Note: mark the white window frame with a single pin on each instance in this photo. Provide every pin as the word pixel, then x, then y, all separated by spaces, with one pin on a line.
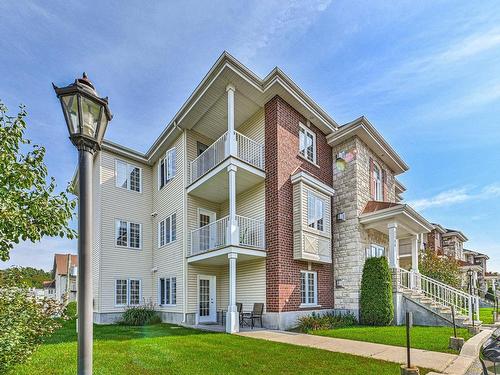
pixel 378 184
pixel 312 196
pixel 170 231
pixel 303 153
pixel 173 291
pixel 169 167
pixel 129 167
pixel 306 275
pixel 375 251
pixel 127 292
pixel 117 221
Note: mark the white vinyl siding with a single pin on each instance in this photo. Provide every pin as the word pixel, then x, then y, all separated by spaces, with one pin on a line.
pixel 167 230
pixel 167 291
pixel 307 143
pixel 128 176
pixel 308 288
pixel 167 167
pixel 128 234
pixel 128 292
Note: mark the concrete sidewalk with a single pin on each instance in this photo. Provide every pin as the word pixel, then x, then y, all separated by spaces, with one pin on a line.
pixel 421 358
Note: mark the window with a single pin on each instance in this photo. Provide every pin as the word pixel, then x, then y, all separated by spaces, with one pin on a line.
pixel 377 182
pixel 375 251
pixel 127 292
pixel 167 168
pixel 168 291
pixel 315 212
pixel 167 230
pixel 307 143
pixel 128 234
pixel 128 176
pixel 308 288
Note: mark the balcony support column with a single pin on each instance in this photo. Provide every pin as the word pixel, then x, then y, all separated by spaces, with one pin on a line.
pixel 233 231
pixel 415 244
pixel 231 135
pixel 393 245
pixel 233 319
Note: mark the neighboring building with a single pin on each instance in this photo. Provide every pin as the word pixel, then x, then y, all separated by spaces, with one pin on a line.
pixel 49 289
pixel 64 286
pixel 453 243
pixel 477 262
pixel 251 194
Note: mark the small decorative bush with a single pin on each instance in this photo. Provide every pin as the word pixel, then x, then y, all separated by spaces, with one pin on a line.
pixel 376 305
pixel 25 321
pixel 140 316
pixel 71 310
pixel 329 320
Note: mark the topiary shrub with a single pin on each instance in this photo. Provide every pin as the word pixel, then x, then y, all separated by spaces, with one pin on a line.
pixel 376 305
pixel 140 316
pixel 329 320
pixel 71 310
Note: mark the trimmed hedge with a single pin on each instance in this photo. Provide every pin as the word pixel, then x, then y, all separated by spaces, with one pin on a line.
pixel 330 320
pixel 376 305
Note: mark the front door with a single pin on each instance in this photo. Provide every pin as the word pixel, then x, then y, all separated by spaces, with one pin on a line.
pixel 208 233
pixel 206 299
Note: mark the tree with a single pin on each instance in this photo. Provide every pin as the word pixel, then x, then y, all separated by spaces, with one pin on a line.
pixel 29 206
pixel 376 304
pixel 441 268
pixel 26 276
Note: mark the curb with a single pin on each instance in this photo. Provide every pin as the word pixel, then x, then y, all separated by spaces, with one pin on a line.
pixel 468 355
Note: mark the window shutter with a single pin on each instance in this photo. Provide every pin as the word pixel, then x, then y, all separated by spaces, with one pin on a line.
pixel 372 181
pixel 384 185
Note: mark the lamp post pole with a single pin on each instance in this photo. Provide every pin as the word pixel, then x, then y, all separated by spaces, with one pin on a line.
pixel 87 116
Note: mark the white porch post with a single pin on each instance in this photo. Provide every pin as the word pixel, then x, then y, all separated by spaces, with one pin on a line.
pixel 232 320
pixel 233 232
pixel 393 245
pixel 414 261
pixel 231 136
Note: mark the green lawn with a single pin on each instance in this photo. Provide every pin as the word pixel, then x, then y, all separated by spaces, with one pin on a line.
pixel 429 338
pixel 486 315
pixel 168 349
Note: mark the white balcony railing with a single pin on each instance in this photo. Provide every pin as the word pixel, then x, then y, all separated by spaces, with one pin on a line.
pixel 464 303
pixel 215 235
pixel 247 150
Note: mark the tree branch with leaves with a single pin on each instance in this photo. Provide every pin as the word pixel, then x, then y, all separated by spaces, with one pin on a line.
pixel 30 208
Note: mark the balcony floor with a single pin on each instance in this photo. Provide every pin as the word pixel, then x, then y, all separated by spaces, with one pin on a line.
pixel 214 185
pixel 219 256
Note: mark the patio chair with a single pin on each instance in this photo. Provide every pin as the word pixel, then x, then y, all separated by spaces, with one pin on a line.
pixel 256 314
pixel 239 309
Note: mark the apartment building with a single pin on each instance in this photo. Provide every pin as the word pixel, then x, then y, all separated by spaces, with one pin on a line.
pixel 251 194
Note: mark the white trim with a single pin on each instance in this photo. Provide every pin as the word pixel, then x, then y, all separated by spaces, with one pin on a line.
pixel 378 194
pixel 128 165
pixel 213 288
pixel 225 251
pixel 128 235
pixel 314 196
pixel 171 291
pixel 315 291
pixel 164 220
pixel 167 162
pixel 313 182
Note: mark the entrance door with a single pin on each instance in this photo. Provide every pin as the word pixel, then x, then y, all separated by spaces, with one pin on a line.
pixel 206 299
pixel 208 235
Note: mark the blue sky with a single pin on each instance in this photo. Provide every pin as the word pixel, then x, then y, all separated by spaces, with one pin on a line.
pixel 426 73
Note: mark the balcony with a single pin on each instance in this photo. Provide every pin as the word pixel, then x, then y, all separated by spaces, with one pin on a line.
pixel 215 236
pixel 247 150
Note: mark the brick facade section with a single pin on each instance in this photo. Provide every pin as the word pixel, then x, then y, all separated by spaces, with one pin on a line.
pixel 282 161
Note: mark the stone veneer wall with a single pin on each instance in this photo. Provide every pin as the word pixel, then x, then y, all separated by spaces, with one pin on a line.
pixel 282 161
pixel 350 239
pixel 453 246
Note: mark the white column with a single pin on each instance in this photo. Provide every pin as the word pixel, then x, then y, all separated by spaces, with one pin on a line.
pixel 231 137
pixel 393 245
pixel 233 235
pixel 422 241
pixel 232 320
pixel 415 245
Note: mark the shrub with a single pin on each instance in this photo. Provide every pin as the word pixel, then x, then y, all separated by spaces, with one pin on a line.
pixel 71 310
pixel 326 321
pixel 140 316
pixel 376 305
pixel 25 322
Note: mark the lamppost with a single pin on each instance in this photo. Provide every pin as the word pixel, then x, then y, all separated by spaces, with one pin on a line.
pixel 470 273
pixel 87 116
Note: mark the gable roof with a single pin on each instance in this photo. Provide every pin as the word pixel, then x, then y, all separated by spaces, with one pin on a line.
pixel 363 129
pixel 456 233
pixel 61 263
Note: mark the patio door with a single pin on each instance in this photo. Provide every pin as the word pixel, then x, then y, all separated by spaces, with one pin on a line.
pixel 208 233
pixel 207 309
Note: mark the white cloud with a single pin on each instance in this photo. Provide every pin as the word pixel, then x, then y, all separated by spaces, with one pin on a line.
pixel 270 23
pixel 456 196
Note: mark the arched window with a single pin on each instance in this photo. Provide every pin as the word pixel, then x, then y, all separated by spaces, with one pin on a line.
pixel 377 182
